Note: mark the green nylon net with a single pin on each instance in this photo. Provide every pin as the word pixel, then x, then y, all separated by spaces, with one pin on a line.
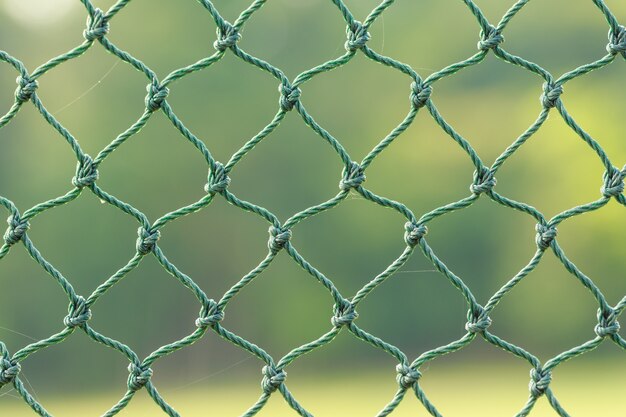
pixel 343 318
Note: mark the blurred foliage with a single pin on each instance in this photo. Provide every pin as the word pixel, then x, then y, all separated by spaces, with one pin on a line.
pixel 96 98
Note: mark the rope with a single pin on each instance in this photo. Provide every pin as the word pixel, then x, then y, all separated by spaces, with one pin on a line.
pixel 421 95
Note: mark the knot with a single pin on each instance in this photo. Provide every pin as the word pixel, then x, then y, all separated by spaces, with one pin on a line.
pixel 17 229
pixel 8 371
pixel 279 237
pixel 344 315
pixel 289 96
pixel 483 181
pixel 551 94
pixel 477 323
pixel 227 37
pixel 539 381
pixel 97 26
pixel 407 376
pixel 210 315
pixel 353 177
pixel 78 313
pixel 218 180
pixel 607 324
pixel 25 88
pixel 357 36
pixel 490 39
pixel 617 42
pixel 86 173
pixel 613 183
pixel 139 377
pixel 272 378
pixel 420 93
pixel 414 233
pixel 146 242
pixel 545 235
pixel 156 96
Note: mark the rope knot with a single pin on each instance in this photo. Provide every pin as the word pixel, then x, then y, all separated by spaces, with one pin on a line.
pixel 146 242
pixel 279 238
pixel 484 181
pixel 490 39
pixel 210 315
pixel 272 378
pixel 218 180
pixel 617 42
pixel 420 93
pixel 25 88
pixel 353 177
pixel 227 37
pixel 139 376
pixel 545 235
pixel 539 381
pixel 407 376
pixel 613 183
pixel 156 96
pixel 17 229
pixel 97 26
pixel 477 322
pixel 344 314
pixel 78 313
pixel 289 96
pixel 551 94
pixel 414 232
pixel 357 35
pixel 8 371
pixel 607 324
pixel 86 173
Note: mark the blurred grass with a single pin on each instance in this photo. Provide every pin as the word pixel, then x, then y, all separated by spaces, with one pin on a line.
pixel 480 390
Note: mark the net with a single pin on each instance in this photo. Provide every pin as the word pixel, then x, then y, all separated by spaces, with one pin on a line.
pixel 343 317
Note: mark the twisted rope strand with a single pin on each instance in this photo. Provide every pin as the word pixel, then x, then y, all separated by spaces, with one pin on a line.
pixel 343 317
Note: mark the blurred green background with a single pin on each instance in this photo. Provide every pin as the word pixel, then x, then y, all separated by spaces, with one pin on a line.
pixel 97 97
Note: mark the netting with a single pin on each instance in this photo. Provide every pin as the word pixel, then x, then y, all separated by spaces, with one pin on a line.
pixel 415 229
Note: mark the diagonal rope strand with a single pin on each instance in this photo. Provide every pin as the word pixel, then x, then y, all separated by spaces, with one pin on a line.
pixel 421 93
